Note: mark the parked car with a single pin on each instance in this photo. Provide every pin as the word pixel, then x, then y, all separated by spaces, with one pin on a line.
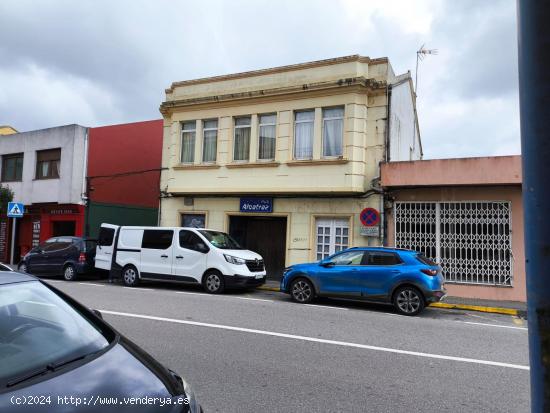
pixel 198 256
pixel 67 256
pixel 404 278
pixel 52 347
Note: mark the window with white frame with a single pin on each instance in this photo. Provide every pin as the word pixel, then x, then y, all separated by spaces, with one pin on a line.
pixel 241 145
pixel 188 132
pixel 333 131
pixel 471 240
pixel 332 236
pixel 210 140
pixel 266 142
pixel 303 134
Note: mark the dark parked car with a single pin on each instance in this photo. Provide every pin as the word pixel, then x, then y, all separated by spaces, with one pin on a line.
pixel 404 278
pixel 67 256
pixel 58 356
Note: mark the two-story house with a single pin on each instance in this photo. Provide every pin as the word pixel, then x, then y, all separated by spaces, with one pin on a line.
pixel 45 169
pixel 285 159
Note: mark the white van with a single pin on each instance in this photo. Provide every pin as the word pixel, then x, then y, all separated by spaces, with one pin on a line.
pixel 199 256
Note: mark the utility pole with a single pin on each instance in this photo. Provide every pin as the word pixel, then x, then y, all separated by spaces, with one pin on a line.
pixel 534 88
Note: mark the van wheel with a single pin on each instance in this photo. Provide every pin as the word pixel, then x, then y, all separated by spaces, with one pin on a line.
pixel 213 282
pixel 130 276
pixel 69 272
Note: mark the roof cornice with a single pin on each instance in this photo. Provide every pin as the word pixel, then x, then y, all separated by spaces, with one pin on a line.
pixel 358 83
pixel 280 69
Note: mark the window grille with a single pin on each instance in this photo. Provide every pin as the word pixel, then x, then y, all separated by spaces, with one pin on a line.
pixel 470 240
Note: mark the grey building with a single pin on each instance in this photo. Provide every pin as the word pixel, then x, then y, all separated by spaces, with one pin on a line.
pixel 46 169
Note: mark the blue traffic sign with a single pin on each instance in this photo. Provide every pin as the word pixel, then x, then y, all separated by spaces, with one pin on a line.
pixel 15 210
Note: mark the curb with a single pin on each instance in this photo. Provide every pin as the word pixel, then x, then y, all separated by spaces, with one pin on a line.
pixel 479 308
pixel 276 289
pixel 494 310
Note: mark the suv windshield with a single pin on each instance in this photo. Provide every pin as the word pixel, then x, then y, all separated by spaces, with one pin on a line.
pixel 39 329
pixel 221 240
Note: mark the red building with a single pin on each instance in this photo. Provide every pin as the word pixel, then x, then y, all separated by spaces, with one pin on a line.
pixel 123 174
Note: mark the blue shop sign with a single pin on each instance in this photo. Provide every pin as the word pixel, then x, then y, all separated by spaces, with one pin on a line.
pixel 256 205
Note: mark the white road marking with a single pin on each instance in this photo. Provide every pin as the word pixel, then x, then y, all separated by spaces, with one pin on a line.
pixel 94 284
pixel 140 289
pixel 325 306
pixel 494 325
pixel 320 340
pixel 222 296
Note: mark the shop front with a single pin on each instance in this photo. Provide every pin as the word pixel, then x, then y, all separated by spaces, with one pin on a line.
pixel 284 230
pixel 43 221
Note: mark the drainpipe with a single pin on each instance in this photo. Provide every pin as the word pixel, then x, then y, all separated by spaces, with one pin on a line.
pixel 86 186
pixel 388 121
pixel 534 88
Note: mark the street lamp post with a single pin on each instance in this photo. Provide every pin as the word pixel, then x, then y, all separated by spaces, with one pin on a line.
pixel 534 82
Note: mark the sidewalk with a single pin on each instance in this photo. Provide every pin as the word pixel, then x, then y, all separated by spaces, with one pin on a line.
pixel 514 308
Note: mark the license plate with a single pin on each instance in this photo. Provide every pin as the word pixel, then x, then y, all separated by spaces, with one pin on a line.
pixel 259 276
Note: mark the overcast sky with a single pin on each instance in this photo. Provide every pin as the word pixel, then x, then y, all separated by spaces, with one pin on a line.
pixel 102 62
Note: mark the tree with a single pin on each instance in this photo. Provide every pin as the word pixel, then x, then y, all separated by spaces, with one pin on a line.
pixel 6 195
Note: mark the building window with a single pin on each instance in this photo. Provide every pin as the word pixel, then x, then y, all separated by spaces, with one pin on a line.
pixel 210 141
pixel 12 167
pixel 188 132
pixel 333 131
pixel 193 220
pixel 266 142
pixel 471 241
pixel 332 236
pixel 47 163
pixel 241 149
pixel 303 134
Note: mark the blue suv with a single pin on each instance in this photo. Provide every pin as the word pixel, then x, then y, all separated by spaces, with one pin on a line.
pixel 404 278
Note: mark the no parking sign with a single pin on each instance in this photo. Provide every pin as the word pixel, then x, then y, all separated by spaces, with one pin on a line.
pixel 370 218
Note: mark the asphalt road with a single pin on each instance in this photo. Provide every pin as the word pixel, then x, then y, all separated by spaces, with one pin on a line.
pixel 257 351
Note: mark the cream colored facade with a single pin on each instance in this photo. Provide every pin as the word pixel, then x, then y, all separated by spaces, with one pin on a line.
pixel 303 191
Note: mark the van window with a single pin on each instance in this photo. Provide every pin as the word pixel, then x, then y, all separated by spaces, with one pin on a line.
pixel 106 236
pixel 189 240
pixel 157 239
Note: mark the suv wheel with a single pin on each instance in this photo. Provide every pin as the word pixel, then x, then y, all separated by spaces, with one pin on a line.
pixel 408 301
pixel 130 276
pixel 301 291
pixel 213 282
pixel 69 272
pixel 22 267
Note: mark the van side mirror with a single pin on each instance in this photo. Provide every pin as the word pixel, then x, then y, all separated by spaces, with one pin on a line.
pixel 201 247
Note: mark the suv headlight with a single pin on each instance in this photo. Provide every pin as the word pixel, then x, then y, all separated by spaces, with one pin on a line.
pixel 234 260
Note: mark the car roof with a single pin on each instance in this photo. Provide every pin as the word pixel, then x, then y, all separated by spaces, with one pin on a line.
pixel 11 277
pixel 388 249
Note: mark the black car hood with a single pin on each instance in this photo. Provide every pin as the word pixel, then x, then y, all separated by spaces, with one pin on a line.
pixel 115 376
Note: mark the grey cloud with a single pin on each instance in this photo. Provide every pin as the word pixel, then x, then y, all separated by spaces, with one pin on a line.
pixel 109 62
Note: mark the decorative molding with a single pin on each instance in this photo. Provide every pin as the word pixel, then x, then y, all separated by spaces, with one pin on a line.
pixel 353 84
pixel 252 165
pixel 199 166
pixel 309 162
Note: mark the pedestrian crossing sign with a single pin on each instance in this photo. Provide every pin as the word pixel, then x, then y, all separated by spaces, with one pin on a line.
pixel 15 209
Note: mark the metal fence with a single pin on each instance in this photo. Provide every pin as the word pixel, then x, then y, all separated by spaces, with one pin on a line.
pixel 470 240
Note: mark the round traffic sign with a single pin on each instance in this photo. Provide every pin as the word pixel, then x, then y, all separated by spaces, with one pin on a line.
pixel 369 217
